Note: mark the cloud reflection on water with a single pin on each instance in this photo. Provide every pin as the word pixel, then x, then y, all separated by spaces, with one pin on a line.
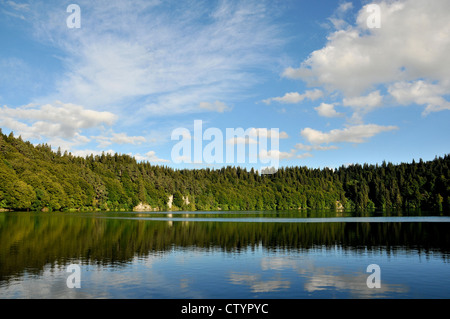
pixel 331 278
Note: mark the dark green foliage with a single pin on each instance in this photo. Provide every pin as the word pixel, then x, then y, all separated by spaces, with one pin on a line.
pixel 36 178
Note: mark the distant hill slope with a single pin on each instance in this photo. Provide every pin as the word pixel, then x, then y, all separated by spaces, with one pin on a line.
pixel 37 178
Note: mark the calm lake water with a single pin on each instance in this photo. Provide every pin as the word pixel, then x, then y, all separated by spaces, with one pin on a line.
pixel 217 255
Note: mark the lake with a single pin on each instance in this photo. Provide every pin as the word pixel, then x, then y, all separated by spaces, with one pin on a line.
pixel 214 255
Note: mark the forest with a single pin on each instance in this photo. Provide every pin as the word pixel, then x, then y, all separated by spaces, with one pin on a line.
pixel 37 178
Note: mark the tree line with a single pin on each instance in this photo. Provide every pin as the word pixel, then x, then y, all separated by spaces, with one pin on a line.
pixel 40 179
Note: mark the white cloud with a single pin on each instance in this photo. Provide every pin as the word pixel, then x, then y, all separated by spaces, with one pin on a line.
pixel 18 9
pixel 63 125
pixel 268 133
pixel 257 133
pixel 58 120
pixel 295 97
pixel 118 138
pixel 128 52
pixel 265 155
pixel 411 45
pixel 150 157
pixel 352 134
pixel 420 92
pixel 309 148
pixel 123 138
pixel 338 18
pixel 344 7
pixel 327 110
pixel 304 155
pixel 217 106
pixel 18 6
pixel 371 100
pixel 361 105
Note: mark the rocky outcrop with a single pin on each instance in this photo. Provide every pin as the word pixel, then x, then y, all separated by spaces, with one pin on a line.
pixel 339 206
pixel 143 208
pixel 170 202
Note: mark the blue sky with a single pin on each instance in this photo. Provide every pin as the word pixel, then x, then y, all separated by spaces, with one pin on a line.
pixel 338 90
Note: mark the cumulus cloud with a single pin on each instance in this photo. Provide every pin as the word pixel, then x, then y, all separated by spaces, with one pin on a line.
pixel 352 134
pixel 412 45
pixel 420 92
pixel 63 120
pixel 64 125
pixel 371 100
pixel 327 110
pixel 361 105
pixel 295 97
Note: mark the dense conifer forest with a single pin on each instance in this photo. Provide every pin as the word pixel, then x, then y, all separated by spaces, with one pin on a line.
pixel 38 178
